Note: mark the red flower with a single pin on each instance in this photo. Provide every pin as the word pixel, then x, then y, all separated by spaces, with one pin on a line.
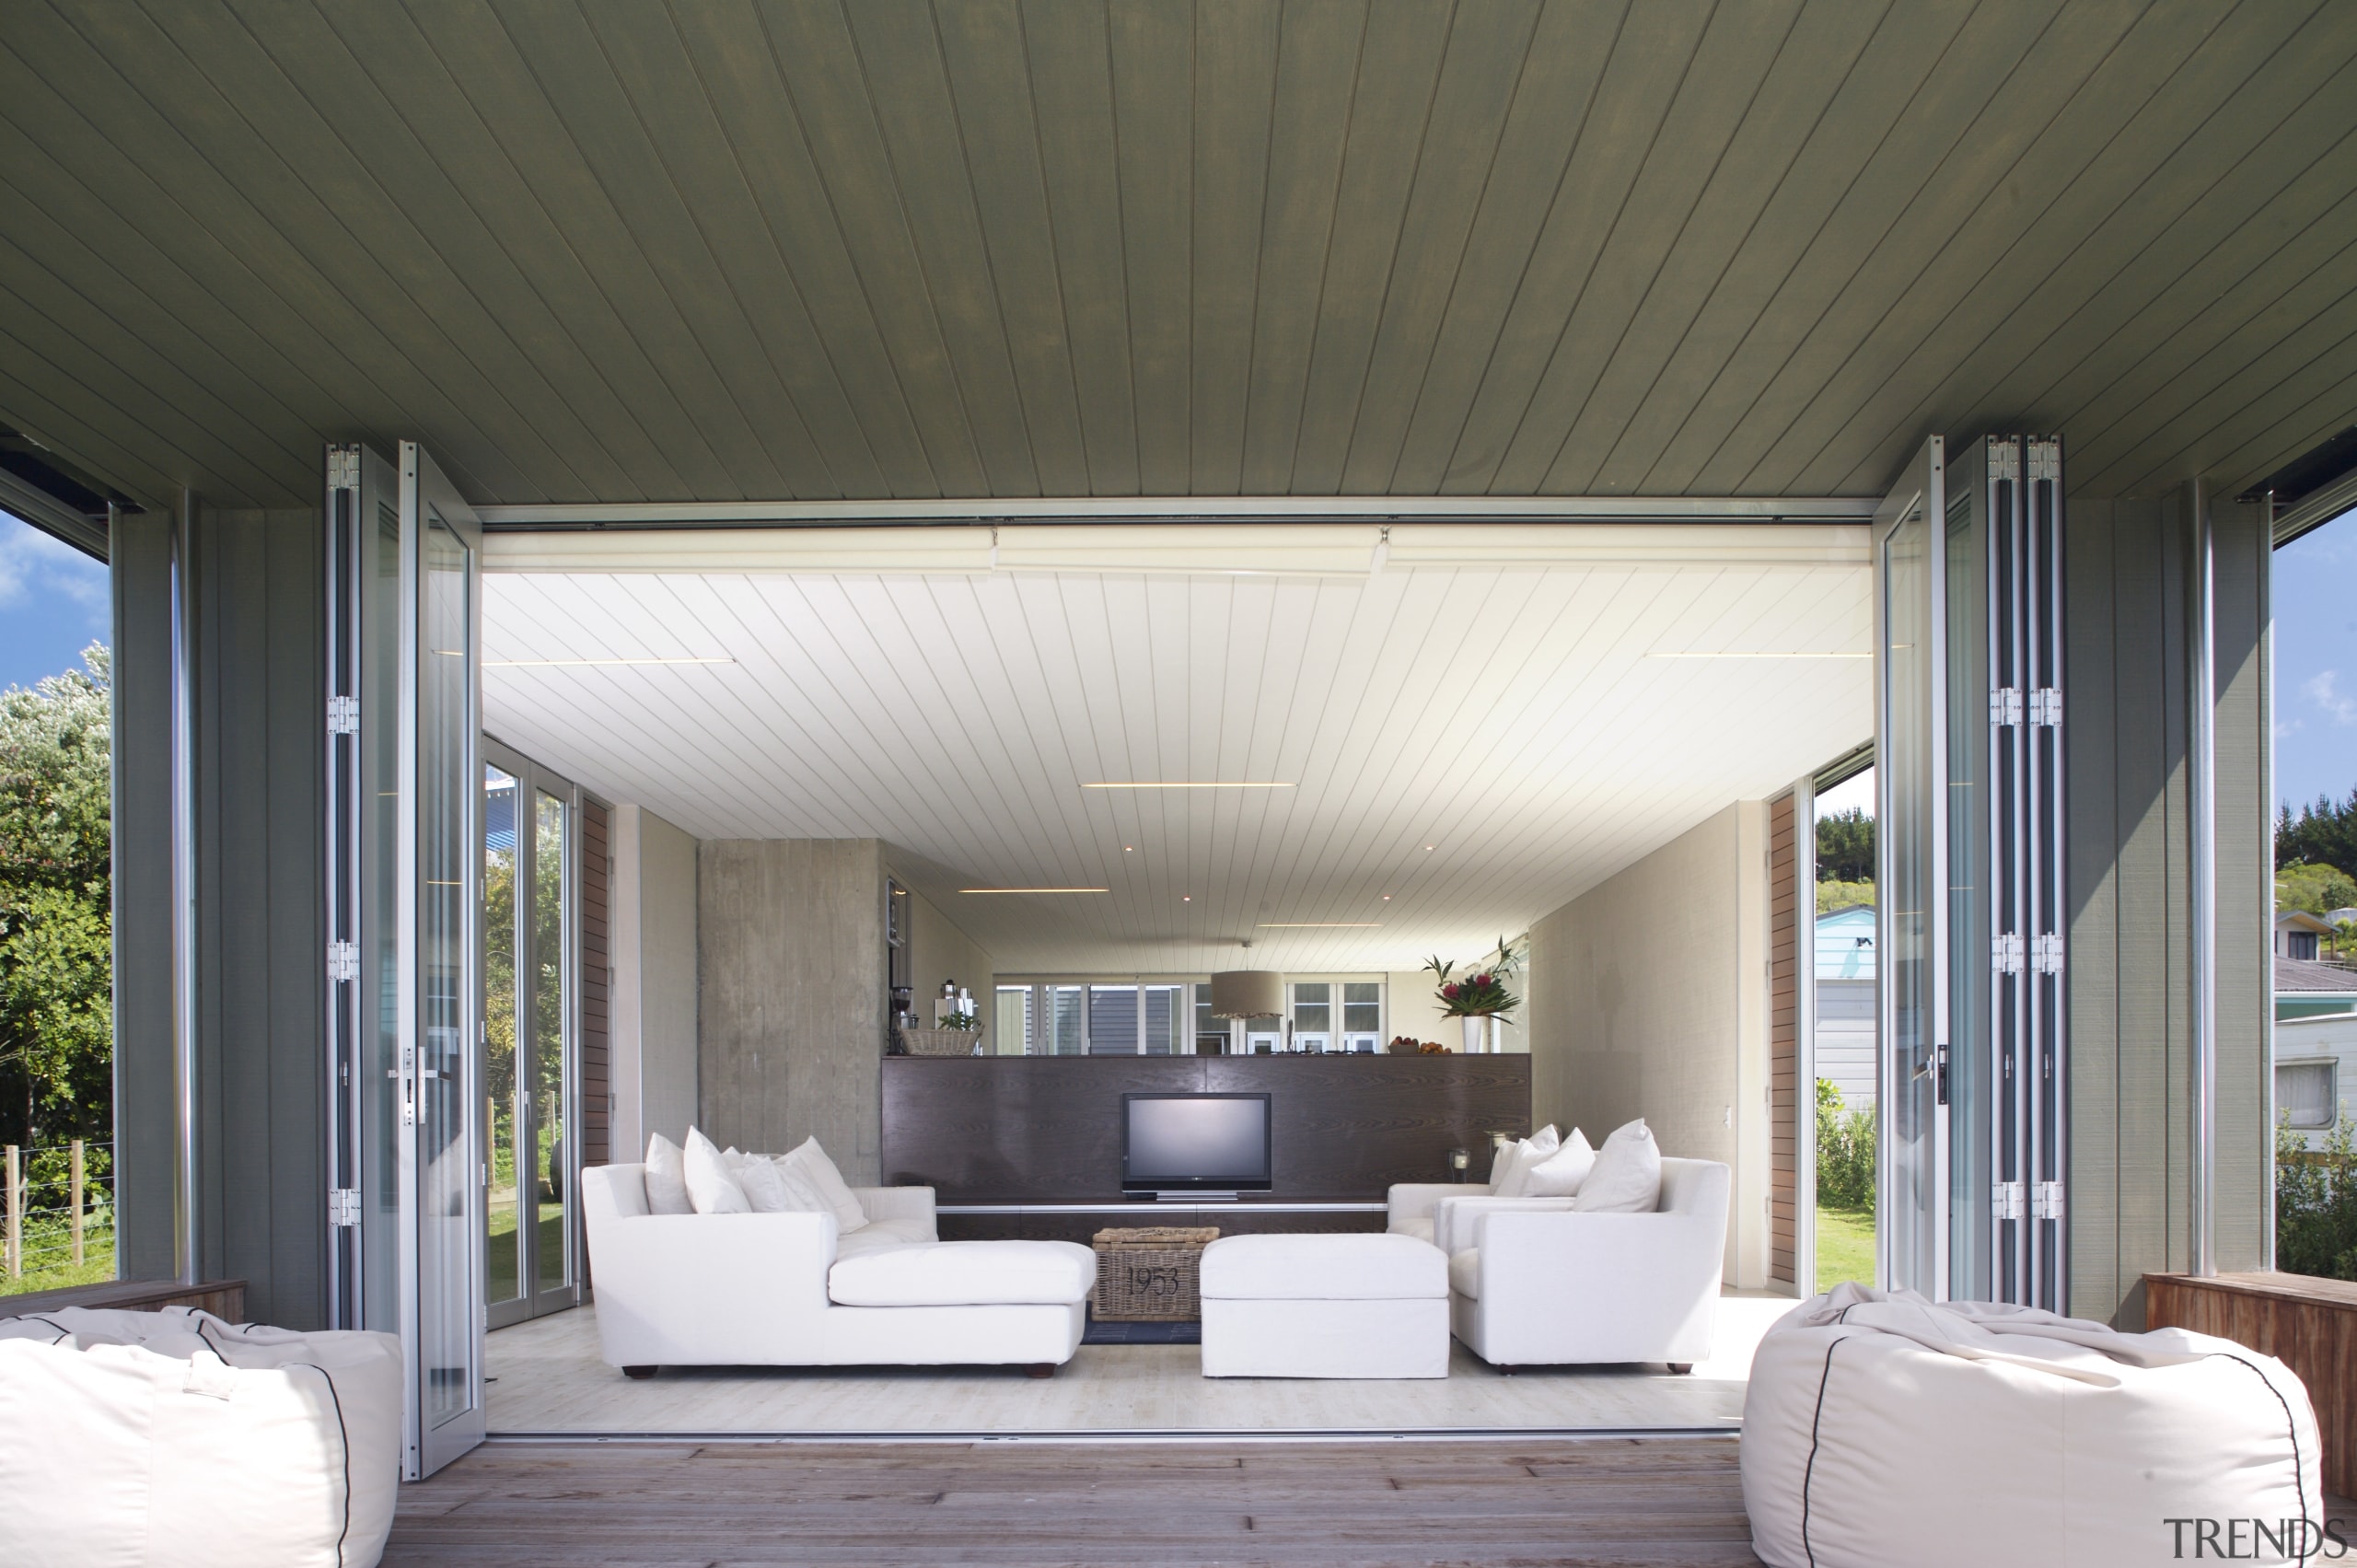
pixel 1449 992
pixel 1480 980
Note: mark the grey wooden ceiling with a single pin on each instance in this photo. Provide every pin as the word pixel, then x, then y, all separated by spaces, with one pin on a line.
pixel 711 250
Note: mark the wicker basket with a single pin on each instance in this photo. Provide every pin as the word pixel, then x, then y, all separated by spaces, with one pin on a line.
pixel 1151 1275
pixel 941 1042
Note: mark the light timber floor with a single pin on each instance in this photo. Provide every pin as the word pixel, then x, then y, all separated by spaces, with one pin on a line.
pixel 548 1378
pixel 1426 1501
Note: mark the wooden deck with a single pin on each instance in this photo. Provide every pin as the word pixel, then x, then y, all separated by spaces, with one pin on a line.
pixel 1590 1502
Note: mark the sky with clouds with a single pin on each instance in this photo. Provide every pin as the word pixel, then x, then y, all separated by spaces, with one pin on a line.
pixel 2316 664
pixel 53 604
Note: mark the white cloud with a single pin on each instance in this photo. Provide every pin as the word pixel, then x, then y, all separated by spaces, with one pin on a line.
pixel 34 567
pixel 2323 688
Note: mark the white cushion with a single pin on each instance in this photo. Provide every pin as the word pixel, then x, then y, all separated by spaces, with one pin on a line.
pixel 1465 1273
pixel 1560 1173
pixel 1879 1427
pixel 667 1178
pixel 710 1186
pixel 1421 1228
pixel 768 1191
pixel 1334 1266
pixel 1626 1179
pixel 129 1439
pixel 877 1235
pixel 964 1274
pixel 1527 1153
pixel 811 1165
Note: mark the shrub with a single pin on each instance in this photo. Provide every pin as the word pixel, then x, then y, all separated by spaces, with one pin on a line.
pixel 2316 1202
pixel 1845 1152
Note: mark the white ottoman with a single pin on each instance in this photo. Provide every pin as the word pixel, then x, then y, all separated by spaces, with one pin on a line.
pixel 1349 1305
pixel 137 1439
pixel 1879 1428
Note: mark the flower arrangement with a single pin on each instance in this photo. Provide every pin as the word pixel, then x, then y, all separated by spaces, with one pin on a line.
pixel 1484 993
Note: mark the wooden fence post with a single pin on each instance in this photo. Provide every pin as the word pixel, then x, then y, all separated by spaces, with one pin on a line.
pixel 15 1238
pixel 77 1203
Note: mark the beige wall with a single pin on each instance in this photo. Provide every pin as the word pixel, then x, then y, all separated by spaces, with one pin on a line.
pixel 654 950
pixel 793 1004
pixel 940 949
pixel 1414 1009
pixel 1648 997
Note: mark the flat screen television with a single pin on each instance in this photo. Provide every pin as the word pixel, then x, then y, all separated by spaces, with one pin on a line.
pixel 1195 1144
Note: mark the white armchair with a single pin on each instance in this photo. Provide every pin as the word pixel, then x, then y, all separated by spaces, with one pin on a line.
pixel 1413 1206
pixel 1550 1288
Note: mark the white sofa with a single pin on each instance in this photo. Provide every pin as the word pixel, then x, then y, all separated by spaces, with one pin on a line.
pixel 789 1290
pixel 1545 1287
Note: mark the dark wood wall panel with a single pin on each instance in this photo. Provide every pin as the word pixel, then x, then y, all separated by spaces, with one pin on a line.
pixel 1047 1129
pixel 1784 917
pixel 597 987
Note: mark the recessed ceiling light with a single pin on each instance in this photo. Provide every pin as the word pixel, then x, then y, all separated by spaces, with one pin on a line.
pixel 590 663
pixel 1129 848
pixel 1387 897
pixel 1318 924
pixel 1186 898
pixel 1216 783
pixel 1428 849
pixel 1031 889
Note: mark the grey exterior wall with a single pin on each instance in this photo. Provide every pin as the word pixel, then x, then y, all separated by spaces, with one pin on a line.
pixel 255 598
pixel 791 1018
pixel 2126 729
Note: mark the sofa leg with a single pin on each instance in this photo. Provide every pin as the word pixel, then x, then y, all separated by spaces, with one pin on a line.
pixel 638 1372
pixel 1507 1370
pixel 1680 1368
pixel 1041 1369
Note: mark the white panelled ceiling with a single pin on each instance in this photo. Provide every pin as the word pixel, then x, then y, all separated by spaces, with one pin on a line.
pixel 1463 749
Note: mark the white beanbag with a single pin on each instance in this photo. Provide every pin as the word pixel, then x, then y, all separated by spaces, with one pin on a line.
pixel 1881 1428
pixel 174 1440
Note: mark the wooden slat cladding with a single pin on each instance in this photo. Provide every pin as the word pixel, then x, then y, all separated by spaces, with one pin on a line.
pixel 1199 247
pixel 1784 916
pixel 1672 1503
pixel 2310 1324
pixel 597 987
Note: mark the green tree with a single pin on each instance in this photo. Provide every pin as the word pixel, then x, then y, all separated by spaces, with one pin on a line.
pixel 1845 1153
pixel 2323 835
pixel 1845 846
pixel 56 922
pixel 2316 888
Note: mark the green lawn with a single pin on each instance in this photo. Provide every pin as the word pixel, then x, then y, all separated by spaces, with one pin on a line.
pixel 49 1258
pixel 1845 1246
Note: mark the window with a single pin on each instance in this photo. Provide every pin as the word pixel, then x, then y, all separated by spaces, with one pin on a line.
pixel 1014 1024
pixel 1362 1015
pixel 2307 1093
pixel 1313 1016
pixel 1061 1003
pixel 1112 1020
pixel 1166 1019
pixel 1210 1034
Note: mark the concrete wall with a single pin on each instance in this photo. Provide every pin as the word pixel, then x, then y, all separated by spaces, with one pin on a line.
pixel 654 948
pixel 940 949
pixel 791 980
pixel 1648 997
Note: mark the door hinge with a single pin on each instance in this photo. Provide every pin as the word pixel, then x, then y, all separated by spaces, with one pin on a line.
pixel 2046 953
pixel 343 716
pixel 2046 707
pixel 2005 705
pixel 2004 457
pixel 344 961
pixel 2005 1200
pixel 2005 953
pixel 2045 457
pixel 344 1207
pixel 2046 1200
pixel 343 468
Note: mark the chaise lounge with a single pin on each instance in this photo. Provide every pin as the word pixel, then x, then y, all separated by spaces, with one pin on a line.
pixel 789 1289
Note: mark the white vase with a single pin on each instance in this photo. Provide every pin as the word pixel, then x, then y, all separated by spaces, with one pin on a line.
pixel 1477 1034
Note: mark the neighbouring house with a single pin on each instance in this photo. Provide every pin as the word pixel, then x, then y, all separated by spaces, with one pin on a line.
pixel 2297 932
pixel 2315 1044
pixel 1845 1002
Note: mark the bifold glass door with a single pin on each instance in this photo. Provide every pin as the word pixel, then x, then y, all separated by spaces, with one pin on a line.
pixel 404 956
pixel 530 1060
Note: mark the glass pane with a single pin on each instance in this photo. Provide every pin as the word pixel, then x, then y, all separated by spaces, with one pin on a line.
pixel 1312 1008
pixel 1112 1020
pixel 1166 1019
pixel 1912 1187
pixel 1013 1032
pixel 446 883
pixel 1973 1119
pixel 551 1107
pixel 380 1093
pixel 1063 1019
pixel 1210 1033
pixel 1363 1006
pixel 505 1255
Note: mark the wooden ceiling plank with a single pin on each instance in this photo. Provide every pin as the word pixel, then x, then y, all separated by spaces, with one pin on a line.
pixel 1236 76
pixel 1317 70
pixel 1825 102
pixel 61 413
pixel 899 55
pixel 1488 54
pixel 609 147
pixel 1959 136
pixel 1152 45
pixel 1989 255
pixel 1574 41
pixel 990 80
pixel 1730 64
pixel 1071 101
pixel 1631 103
pixel 1399 74
pixel 2138 192
pixel 668 87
